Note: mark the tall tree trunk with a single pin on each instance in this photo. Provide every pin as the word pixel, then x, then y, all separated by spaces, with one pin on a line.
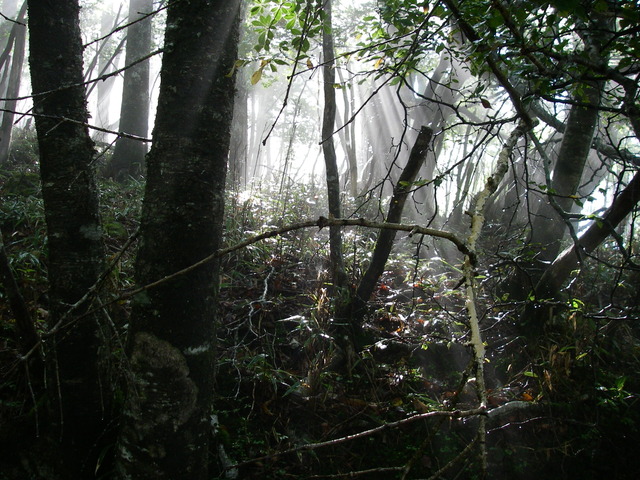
pixel 165 427
pixel 328 147
pixel 128 155
pixel 342 328
pixel 76 255
pixel 549 226
pixel 13 85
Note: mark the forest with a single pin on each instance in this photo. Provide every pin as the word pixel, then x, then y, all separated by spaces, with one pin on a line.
pixel 319 239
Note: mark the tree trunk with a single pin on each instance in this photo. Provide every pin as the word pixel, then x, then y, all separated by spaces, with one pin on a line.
pixel 165 427
pixel 328 148
pixel 549 227
pixel 13 85
pixel 553 278
pixel 107 55
pixel 384 243
pixel 76 255
pixel 128 154
pixel 348 134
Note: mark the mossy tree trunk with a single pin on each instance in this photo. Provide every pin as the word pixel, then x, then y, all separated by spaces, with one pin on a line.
pixel 328 147
pixel 75 249
pixel 166 422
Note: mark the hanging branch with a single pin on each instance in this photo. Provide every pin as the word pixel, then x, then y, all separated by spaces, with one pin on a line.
pixel 476 211
pixel 91 80
pixel 17 22
pixel 305 31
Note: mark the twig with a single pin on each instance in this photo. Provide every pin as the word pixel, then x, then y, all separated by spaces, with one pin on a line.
pixel 87 82
pixel 12 20
pixel 78 122
pixel 320 223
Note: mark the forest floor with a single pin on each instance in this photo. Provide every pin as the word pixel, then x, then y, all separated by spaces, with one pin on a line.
pixel 567 406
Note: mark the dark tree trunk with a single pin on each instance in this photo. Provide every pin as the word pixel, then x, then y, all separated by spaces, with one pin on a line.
pixel 73 230
pixel 384 243
pixel 165 426
pixel 128 154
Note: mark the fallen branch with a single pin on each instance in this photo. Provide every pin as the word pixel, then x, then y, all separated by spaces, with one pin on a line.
pixel 366 433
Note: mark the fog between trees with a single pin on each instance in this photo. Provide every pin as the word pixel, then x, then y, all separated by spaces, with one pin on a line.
pixel 272 225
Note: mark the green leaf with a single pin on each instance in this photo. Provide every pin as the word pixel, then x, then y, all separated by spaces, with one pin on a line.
pixel 257 75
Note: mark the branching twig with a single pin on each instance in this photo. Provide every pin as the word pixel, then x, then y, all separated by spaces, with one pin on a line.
pixel 321 223
pixel 87 82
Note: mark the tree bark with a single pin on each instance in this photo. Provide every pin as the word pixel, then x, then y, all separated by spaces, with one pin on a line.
pixel 549 227
pixel 128 154
pixel 165 427
pixel 75 249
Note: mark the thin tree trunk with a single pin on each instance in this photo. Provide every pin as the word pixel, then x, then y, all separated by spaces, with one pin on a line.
pixel 328 148
pixel 166 423
pixel 384 243
pixel 348 134
pixel 128 154
pixel 75 249
pixel 106 64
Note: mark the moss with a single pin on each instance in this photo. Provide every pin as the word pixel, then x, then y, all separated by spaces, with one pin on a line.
pixel 165 394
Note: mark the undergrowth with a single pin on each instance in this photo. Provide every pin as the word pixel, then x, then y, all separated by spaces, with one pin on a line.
pixel 277 387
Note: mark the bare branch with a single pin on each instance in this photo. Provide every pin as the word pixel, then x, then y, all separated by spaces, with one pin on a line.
pixel 78 122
